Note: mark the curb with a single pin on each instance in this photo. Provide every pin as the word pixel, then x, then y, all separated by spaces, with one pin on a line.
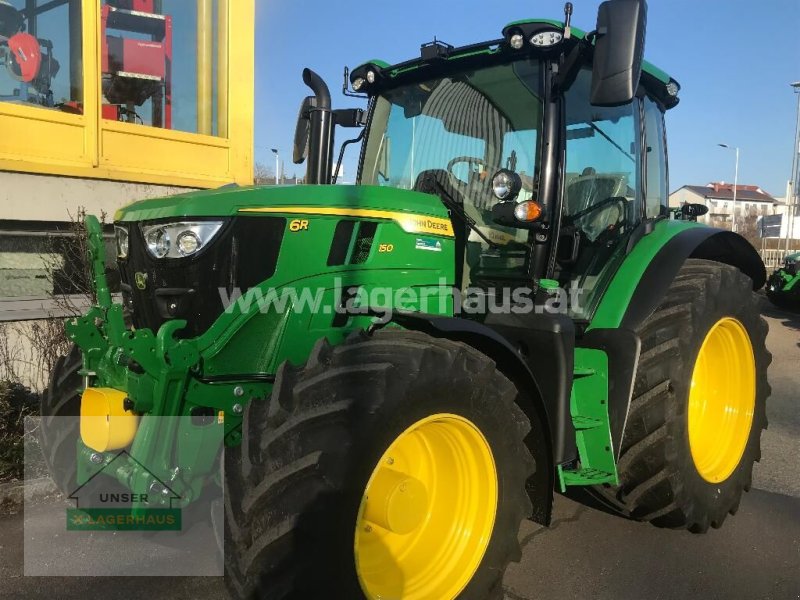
pixel 14 494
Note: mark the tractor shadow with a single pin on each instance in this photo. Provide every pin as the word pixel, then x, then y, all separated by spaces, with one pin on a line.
pixel 789 318
pixel 587 499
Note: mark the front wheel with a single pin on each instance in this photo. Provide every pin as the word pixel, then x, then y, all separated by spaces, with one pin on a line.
pixel 391 466
pixel 60 425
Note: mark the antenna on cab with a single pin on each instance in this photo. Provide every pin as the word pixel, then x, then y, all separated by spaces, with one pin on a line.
pixel 567 20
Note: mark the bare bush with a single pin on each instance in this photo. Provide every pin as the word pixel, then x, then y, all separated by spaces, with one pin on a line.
pixel 29 350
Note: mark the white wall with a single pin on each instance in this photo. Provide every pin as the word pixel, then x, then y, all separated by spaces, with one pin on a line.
pixel 27 197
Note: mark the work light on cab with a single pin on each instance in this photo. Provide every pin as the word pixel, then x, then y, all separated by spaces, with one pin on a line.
pixel 506 185
pixel 545 39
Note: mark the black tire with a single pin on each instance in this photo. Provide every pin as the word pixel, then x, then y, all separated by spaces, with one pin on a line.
pixel 658 479
pixel 294 486
pixel 58 435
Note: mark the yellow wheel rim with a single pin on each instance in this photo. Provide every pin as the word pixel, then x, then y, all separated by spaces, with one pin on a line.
pixel 428 512
pixel 722 400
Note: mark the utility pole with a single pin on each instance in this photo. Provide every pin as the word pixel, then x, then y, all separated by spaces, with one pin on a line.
pixel 735 182
pixel 791 197
pixel 277 164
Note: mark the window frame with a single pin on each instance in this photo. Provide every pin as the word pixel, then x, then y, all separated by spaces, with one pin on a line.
pixel 660 125
pixel 88 146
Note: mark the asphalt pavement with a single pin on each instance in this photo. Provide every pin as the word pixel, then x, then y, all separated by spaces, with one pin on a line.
pixel 586 553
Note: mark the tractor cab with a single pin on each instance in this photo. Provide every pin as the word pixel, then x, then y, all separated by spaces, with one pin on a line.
pixel 547 147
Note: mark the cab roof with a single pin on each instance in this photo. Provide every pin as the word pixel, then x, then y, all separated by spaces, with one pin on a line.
pixel 654 79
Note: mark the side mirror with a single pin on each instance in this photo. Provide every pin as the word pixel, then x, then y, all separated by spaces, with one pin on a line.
pixel 618 51
pixel 302 130
pixel 690 212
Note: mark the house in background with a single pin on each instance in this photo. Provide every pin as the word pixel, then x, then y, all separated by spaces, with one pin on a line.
pixel 752 202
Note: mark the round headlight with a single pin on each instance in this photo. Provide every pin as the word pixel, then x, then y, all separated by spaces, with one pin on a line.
pixel 358 83
pixel 672 89
pixel 517 41
pixel 158 242
pixel 188 243
pixel 506 184
pixel 123 242
pixel 371 76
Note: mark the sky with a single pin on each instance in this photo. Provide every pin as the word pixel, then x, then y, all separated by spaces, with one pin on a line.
pixel 735 61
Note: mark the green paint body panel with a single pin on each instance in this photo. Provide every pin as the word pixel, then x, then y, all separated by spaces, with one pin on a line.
pixel 790 282
pixel 228 201
pixel 618 295
pixel 173 375
pixel 589 411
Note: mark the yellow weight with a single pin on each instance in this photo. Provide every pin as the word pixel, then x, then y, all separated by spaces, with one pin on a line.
pixel 105 424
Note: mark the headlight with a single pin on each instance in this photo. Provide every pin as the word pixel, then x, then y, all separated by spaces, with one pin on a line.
pixel 506 185
pixel 122 241
pixel 178 240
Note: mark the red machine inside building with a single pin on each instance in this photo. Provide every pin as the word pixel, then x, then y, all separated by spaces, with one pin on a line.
pixel 136 61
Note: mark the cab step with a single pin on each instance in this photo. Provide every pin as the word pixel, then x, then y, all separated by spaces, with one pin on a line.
pixel 589 410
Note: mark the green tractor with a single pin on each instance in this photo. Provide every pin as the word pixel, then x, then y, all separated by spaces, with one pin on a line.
pixel 407 368
pixel 783 286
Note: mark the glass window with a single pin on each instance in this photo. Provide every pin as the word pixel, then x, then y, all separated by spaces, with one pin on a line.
pixel 41 54
pixel 457 132
pixel 161 64
pixel 602 203
pixel 656 157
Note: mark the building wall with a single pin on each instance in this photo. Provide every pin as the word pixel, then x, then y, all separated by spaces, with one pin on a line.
pixel 27 197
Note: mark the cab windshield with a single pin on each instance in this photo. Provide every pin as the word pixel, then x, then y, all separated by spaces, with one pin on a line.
pixel 458 131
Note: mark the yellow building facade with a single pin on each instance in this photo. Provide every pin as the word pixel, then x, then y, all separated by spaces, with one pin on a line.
pixel 106 102
pixel 146 91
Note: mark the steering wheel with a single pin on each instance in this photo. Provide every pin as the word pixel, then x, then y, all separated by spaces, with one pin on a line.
pixel 470 160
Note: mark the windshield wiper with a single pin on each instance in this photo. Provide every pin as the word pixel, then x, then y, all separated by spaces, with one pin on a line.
pixel 608 138
pixel 455 207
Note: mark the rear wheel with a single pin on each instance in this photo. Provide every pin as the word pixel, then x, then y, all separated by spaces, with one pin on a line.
pixel 391 466
pixel 694 426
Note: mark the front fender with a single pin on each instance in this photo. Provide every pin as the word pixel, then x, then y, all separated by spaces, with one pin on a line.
pixel 513 366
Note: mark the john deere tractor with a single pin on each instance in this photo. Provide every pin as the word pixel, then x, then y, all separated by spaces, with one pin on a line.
pixel 501 308
pixel 783 286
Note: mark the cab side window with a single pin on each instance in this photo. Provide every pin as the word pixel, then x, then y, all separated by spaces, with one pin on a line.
pixel 656 157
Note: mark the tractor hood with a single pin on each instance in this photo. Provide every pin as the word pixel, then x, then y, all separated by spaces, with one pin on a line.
pixel 229 201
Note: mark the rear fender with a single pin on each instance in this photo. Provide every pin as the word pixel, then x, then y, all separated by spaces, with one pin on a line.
pixel 647 272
